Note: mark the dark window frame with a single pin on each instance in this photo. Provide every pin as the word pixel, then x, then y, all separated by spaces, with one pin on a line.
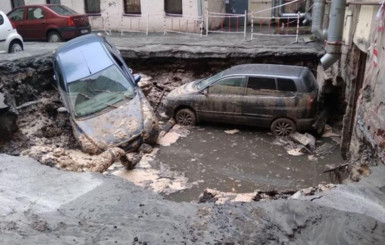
pixel 17 3
pixel 1 20
pixel 132 12
pixel 53 2
pixel 168 12
pixel 96 12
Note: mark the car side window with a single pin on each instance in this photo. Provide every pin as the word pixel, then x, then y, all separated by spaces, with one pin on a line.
pixel 232 85
pixel 17 15
pixel 35 14
pixel 1 20
pixel 286 85
pixel 260 85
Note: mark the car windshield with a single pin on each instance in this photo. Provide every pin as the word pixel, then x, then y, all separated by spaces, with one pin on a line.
pixel 203 83
pixel 99 91
pixel 62 10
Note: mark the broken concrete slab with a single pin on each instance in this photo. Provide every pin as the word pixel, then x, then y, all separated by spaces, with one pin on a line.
pixel 307 140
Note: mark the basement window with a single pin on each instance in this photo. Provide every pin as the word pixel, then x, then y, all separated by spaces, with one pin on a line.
pixel 132 7
pixel 173 7
pixel 17 3
pixel 92 7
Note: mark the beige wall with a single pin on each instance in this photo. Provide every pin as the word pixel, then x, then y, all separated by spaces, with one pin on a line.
pixel 6 6
pixel 362 33
pixel 29 2
pixel 114 18
pixel 77 5
pixel 258 5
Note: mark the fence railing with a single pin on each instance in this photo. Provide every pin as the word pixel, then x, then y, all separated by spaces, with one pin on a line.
pixel 196 25
pixel 181 24
pixel 226 23
pixel 275 26
pixel 134 23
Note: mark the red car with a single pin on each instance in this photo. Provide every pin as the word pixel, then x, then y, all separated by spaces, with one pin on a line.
pixel 51 22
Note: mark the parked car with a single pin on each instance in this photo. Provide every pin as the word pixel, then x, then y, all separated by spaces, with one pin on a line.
pixel 10 40
pixel 281 97
pixel 51 22
pixel 106 106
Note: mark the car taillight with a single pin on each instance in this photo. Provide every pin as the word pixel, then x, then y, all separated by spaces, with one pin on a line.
pixel 71 22
pixel 309 101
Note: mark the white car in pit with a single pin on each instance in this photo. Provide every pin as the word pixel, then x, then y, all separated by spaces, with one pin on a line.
pixel 10 40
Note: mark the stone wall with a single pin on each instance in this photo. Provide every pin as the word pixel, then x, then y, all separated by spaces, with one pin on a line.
pixel 364 122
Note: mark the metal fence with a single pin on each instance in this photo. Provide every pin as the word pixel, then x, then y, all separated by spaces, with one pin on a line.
pixel 174 23
pixel 276 26
pixel 226 23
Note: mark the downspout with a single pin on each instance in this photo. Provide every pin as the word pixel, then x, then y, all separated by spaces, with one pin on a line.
pixel 336 24
pixel 199 4
pixel 317 19
pixel 307 14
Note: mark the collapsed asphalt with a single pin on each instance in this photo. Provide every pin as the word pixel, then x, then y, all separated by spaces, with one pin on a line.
pixel 45 205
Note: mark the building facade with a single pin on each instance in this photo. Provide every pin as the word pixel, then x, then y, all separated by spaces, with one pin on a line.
pixel 137 15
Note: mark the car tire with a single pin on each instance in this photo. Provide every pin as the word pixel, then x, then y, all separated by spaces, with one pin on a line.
pixel 283 127
pixel 185 117
pixel 15 46
pixel 54 37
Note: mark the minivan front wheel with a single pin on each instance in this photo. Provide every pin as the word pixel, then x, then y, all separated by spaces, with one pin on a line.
pixel 283 127
pixel 185 117
pixel 54 37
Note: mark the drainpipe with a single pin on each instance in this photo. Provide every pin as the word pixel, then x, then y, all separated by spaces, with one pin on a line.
pixel 199 4
pixel 333 43
pixel 317 19
pixel 307 14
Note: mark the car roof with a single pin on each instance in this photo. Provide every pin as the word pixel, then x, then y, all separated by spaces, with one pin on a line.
pixel 265 69
pixel 82 57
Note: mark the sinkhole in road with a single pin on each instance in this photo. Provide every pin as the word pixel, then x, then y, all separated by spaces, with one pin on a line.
pixel 207 157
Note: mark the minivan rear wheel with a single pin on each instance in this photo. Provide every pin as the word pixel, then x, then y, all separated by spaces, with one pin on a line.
pixel 283 127
pixel 185 117
pixel 54 37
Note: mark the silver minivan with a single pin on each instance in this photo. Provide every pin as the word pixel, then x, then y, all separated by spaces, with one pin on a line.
pixel 281 97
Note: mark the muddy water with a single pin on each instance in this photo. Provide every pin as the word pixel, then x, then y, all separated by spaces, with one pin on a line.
pixel 240 162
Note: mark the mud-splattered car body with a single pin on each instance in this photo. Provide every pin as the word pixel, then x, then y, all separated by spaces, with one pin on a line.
pixel 107 107
pixel 254 94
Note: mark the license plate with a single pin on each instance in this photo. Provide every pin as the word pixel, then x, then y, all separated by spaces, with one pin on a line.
pixel 83 31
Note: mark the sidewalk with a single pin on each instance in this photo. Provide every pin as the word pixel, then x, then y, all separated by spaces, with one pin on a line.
pixel 138 45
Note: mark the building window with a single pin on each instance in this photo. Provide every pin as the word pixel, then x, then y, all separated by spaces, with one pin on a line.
pixel 17 3
pixel 53 2
pixel 173 6
pixel 132 7
pixel 92 6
